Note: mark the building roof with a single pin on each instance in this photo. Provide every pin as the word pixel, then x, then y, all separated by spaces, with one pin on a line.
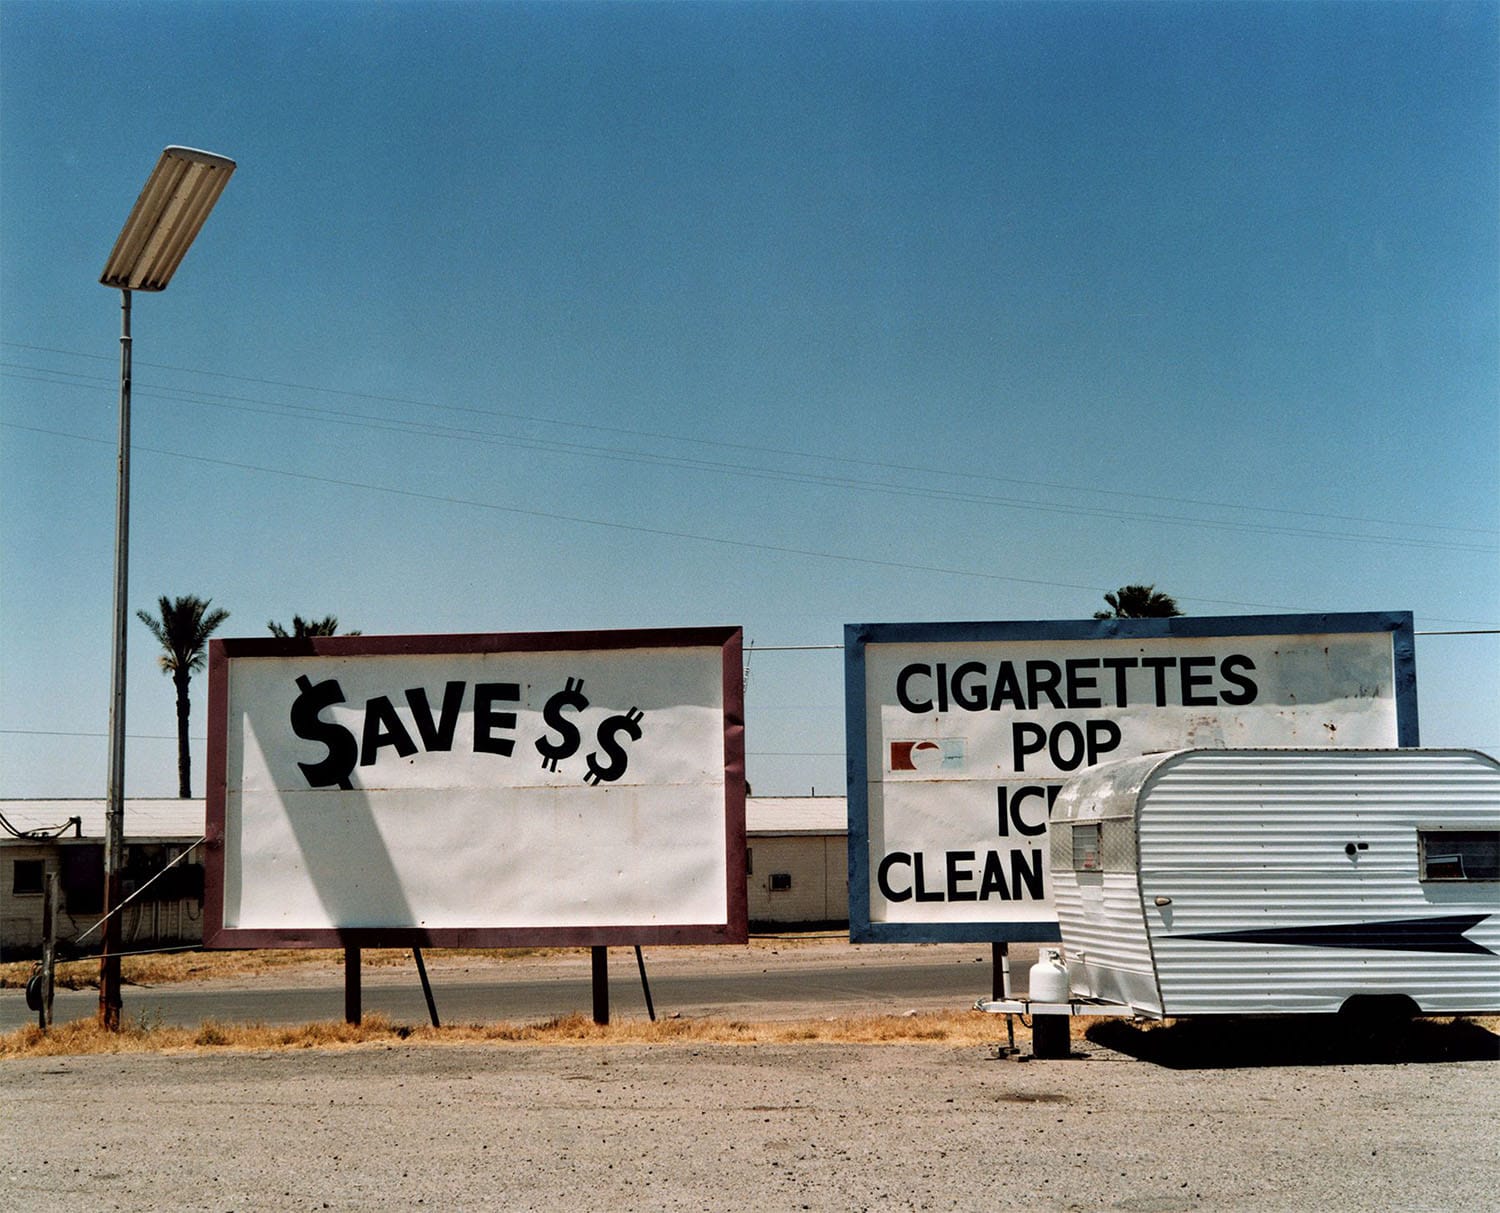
pixel 796 815
pixel 175 818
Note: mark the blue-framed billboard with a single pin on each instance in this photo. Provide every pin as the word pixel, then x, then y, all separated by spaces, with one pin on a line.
pixel 960 736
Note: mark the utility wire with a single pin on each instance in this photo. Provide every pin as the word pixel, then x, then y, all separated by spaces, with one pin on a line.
pixel 929 492
pixel 660 532
pixel 608 524
pixel 616 456
pixel 40 831
pixel 750 649
pixel 677 437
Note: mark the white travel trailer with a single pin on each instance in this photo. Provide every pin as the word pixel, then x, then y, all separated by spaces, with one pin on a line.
pixel 1267 881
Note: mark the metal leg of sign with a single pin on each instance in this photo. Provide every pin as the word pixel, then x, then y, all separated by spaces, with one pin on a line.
pixel 1000 991
pixel 1000 971
pixel 645 985
pixel 351 986
pixel 426 987
pixel 601 985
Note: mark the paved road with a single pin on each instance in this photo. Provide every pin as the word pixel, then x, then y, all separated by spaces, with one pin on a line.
pixel 745 984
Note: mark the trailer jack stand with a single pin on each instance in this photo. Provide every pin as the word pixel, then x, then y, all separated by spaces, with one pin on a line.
pixel 1008 1051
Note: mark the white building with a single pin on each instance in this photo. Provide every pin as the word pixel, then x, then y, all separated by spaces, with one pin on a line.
pixel 797 861
pixel 41 837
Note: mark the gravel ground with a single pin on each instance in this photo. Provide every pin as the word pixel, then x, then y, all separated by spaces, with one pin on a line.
pixel 772 1127
pixel 1204 1116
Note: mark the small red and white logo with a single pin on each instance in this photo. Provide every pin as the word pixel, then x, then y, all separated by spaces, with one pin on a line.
pixel 928 754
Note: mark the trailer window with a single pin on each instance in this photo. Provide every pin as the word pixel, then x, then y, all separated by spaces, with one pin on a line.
pixel 1459 854
pixel 1087 856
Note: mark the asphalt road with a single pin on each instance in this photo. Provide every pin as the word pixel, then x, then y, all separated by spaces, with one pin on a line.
pixel 741 983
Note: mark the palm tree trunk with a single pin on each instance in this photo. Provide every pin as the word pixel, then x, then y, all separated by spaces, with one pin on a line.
pixel 184 753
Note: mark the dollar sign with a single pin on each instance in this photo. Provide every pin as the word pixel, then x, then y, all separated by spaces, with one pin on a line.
pixel 343 751
pixel 609 733
pixel 553 752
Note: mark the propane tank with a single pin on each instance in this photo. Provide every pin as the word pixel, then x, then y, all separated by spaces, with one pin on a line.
pixel 1047 981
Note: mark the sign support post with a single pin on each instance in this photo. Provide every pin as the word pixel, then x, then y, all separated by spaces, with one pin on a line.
pixel 600 965
pixel 352 1009
pixel 426 987
pixel 640 962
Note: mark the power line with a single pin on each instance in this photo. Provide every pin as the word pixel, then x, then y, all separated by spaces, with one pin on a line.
pixel 607 524
pixel 822 457
pixel 660 532
pixel 84 733
pixel 617 455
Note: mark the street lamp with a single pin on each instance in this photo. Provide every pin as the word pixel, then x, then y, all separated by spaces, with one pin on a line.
pixel 180 192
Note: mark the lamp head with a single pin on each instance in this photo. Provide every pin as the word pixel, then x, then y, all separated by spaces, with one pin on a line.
pixel 166 218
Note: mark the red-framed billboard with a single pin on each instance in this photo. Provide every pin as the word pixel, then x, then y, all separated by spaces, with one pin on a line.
pixel 490 790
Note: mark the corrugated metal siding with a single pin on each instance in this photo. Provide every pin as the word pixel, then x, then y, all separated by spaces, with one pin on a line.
pixel 1108 951
pixel 1255 840
pixel 1099 913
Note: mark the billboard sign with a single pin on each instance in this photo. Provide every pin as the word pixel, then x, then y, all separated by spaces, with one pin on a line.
pixel 567 788
pixel 960 736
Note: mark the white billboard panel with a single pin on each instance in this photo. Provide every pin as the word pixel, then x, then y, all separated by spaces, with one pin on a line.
pixel 961 735
pixel 579 788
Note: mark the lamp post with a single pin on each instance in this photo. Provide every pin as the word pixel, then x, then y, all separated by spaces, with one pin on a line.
pixel 168 215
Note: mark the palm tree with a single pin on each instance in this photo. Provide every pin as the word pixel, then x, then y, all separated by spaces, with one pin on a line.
pixel 1139 602
pixel 302 628
pixel 183 630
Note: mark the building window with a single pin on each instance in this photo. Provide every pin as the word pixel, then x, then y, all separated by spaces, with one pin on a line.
pixel 781 882
pixel 749 861
pixel 1459 854
pixel 27 876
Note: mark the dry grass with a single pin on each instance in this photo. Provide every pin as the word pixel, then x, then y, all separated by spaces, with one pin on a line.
pixel 954 1028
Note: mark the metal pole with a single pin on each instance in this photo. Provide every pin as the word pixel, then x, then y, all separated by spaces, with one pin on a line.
pixel 645 985
pixel 49 950
pixel 353 1011
pixel 426 987
pixel 1000 992
pixel 600 966
pixel 114 816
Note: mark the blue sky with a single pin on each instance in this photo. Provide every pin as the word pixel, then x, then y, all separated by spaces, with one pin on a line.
pixel 558 316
